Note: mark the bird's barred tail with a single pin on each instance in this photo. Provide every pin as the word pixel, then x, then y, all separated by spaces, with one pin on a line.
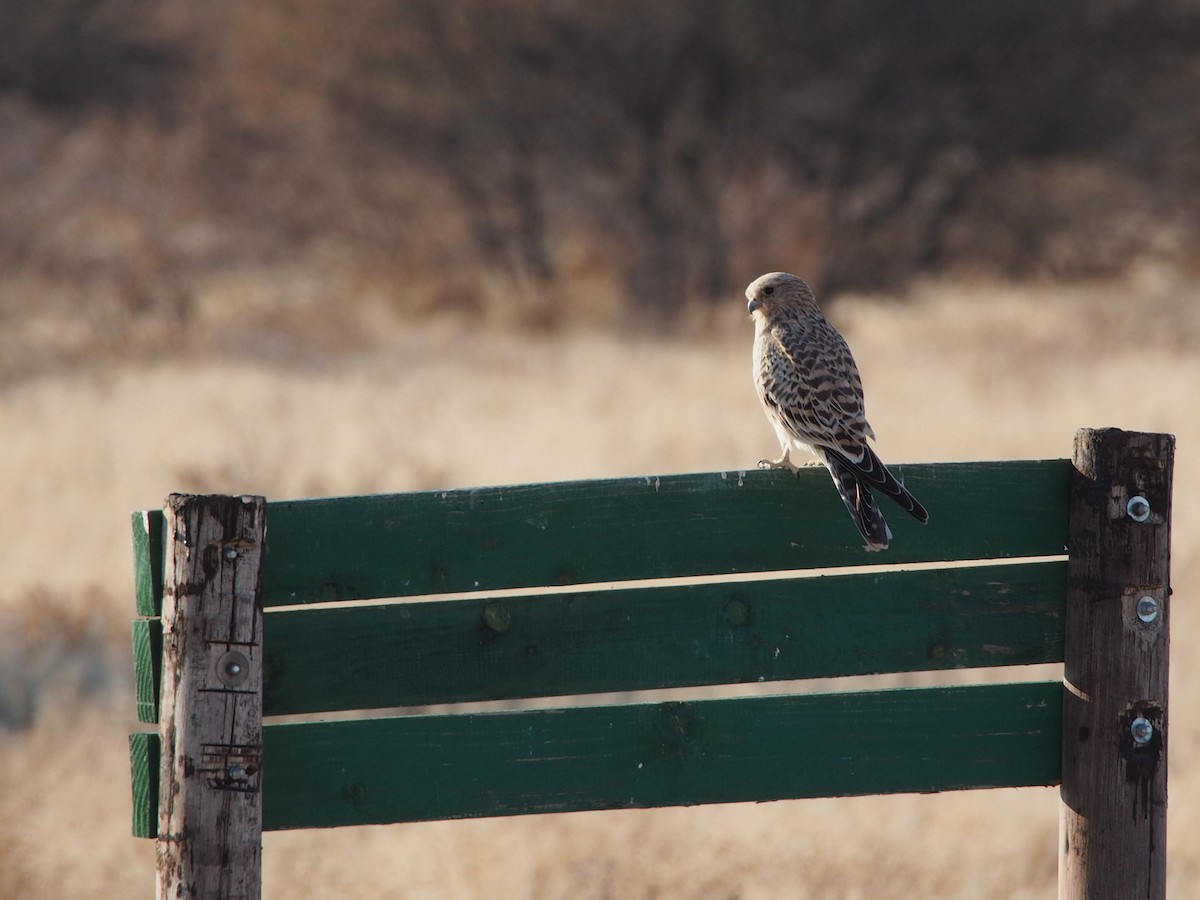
pixel 856 494
pixel 876 474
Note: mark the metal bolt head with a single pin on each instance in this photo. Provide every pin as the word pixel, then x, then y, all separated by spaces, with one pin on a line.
pixel 230 553
pixel 1138 508
pixel 1142 730
pixel 1147 609
pixel 233 668
pixel 237 772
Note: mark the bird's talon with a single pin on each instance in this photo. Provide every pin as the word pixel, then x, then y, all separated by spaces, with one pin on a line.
pixel 771 464
pixel 778 464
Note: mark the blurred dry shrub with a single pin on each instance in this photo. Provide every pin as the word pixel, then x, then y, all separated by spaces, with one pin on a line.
pixel 178 169
pixel 57 650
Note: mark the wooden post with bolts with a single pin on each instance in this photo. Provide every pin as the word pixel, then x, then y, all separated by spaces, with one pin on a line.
pixel 1113 830
pixel 210 806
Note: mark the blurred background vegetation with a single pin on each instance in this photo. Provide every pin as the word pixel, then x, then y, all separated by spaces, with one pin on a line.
pixel 166 164
pixel 308 247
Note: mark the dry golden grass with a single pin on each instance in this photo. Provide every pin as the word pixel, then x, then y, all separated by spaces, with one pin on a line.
pixel 992 374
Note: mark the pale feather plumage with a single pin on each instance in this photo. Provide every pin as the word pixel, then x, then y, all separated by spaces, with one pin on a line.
pixel 811 391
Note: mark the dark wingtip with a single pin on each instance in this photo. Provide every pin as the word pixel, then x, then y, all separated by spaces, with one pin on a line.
pixel 917 511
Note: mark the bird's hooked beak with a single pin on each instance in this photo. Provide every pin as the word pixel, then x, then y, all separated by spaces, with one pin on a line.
pixel 753 305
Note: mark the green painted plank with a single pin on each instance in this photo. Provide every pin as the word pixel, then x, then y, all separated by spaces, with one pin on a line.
pixel 645 755
pixel 584 532
pixel 147 637
pixel 417 768
pixel 148 560
pixel 143 763
pixel 633 528
pixel 412 654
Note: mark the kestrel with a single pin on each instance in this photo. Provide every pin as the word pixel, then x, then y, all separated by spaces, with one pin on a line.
pixel 812 394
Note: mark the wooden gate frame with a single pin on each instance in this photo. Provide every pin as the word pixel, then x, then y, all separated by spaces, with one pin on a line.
pixel 208 692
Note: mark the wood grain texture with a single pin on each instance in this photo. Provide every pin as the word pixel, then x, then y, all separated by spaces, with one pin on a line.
pixel 585 532
pixel 144 763
pixel 413 654
pixel 1114 793
pixel 210 812
pixel 148 556
pixel 147 642
pixel 418 768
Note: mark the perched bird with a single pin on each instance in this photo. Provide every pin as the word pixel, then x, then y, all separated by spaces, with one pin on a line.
pixel 812 394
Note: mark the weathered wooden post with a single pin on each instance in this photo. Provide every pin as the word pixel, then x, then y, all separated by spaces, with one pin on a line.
pixel 1113 834
pixel 210 807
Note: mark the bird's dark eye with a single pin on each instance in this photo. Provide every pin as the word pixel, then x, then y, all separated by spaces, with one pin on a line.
pixel 769 291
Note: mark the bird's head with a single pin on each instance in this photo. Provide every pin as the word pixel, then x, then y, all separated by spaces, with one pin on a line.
pixel 778 290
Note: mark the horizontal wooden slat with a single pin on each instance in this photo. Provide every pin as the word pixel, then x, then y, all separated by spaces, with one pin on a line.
pixel 637 528
pixel 148 560
pixel 670 754
pixel 414 654
pixel 144 748
pixel 147 637
pixel 597 531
